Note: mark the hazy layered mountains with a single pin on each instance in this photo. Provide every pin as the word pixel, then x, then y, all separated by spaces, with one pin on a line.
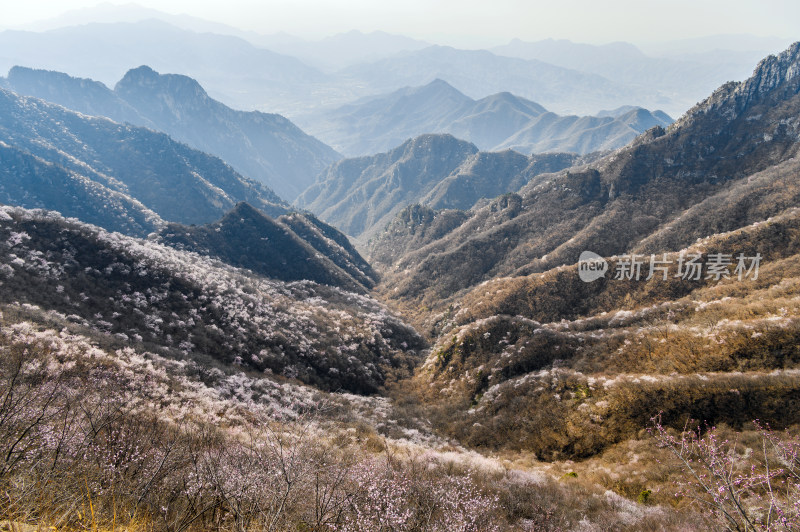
pixel 245 72
pixel 105 51
pixel 683 77
pixel 265 147
pixel 479 73
pixel 361 195
pixel 328 54
pixel 496 122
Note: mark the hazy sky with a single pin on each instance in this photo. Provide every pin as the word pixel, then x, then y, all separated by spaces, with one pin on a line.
pixel 477 22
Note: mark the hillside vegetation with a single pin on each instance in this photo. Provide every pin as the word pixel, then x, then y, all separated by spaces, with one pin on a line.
pixel 528 357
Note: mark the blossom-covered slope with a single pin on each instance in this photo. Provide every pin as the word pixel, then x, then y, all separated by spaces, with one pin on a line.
pixel 186 306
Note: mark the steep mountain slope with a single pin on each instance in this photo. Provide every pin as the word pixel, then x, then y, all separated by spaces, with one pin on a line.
pixel 496 122
pixel 531 355
pixel 554 365
pixel 31 182
pixel 247 238
pixel 360 196
pixel 264 147
pixel 331 243
pixel 188 307
pixel 79 94
pixel 176 182
pixel 104 173
pixel 491 174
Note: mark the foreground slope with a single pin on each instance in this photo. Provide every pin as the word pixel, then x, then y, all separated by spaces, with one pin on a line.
pixel 161 440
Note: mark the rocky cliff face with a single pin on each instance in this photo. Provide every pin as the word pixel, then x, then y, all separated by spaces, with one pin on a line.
pixel 773 72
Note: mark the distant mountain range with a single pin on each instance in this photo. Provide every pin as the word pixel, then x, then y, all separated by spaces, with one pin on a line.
pixel 496 122
pixel 336 52
pixel 264 147
pixel 105 52
pixel 479 73
pixel 327 54
pixel 239 68
pixel 361 195
pixel 682 78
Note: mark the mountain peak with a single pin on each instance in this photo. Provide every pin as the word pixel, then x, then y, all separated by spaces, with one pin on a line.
pixel 244 210
pixel 770 74
pixel 433 143
pixel 439 85
pixel 145 77
pixel 774 70
pixel 439 82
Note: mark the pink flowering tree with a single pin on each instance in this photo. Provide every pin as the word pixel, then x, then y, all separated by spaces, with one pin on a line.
pixel 743 489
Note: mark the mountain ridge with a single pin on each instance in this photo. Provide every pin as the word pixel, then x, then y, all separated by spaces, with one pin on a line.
pixel 361 195
pixel 493 123
pixel 247 238
pixel 266 147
